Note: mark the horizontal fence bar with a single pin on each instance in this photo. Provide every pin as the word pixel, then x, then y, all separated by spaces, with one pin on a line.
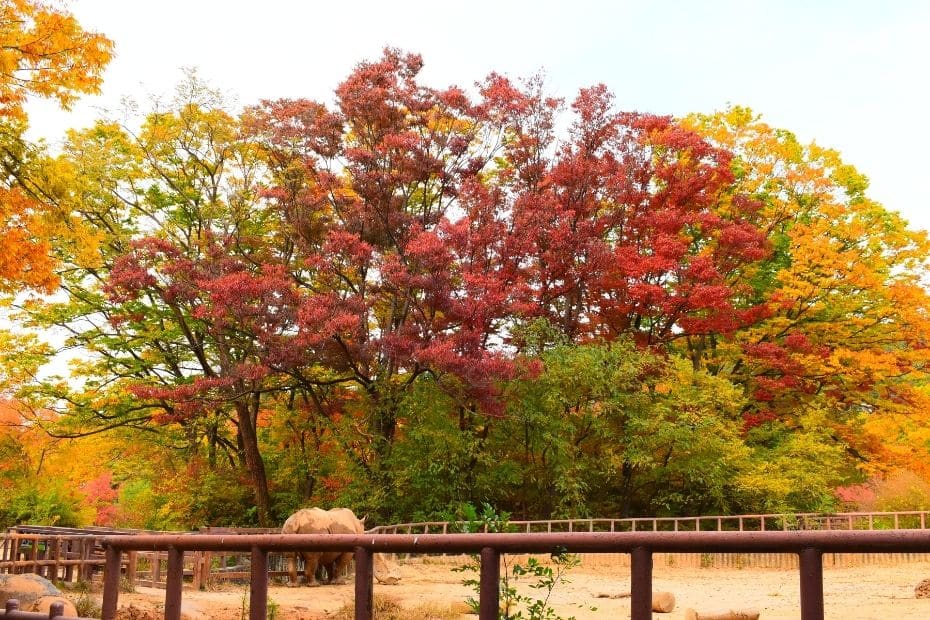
pixel 808 545
pixel 914 519
pixel 834 541
pixel 11 611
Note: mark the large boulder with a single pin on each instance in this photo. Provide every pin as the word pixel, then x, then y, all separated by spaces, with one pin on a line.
pixel 33 592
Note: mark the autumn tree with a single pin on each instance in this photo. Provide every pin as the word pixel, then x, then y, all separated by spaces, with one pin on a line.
pixel 155 302
pixel 405 264
pixel 44 52
pixel 414 292
pixel 620 227
pixel 845 344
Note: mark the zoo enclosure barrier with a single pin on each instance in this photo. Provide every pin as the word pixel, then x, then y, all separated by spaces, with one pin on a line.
pixel 913 520
pixel 70 554
pixel 808 545
pixel 11 611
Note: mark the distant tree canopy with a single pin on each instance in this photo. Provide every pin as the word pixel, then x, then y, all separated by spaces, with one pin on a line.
pixel 410 299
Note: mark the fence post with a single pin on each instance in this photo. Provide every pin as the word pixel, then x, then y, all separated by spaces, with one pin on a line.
pixel 197 559
pixel 86 571
pixel 173 583
pixel 131 567
pixel 258 590
pixel 156 568
pixel 641 584
pixel 34 552
pixel 206 568
pixel 489 593
pixel 56 568
pixel 364 586
pixel 110 583
pixel 811 561
pixel 69 554
pixel 56 610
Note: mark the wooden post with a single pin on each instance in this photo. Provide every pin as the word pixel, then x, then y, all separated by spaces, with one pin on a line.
pixel 34 553
pixel 489 592
pixel 258 590
pixel 156 568
pixel 132 559
pixel 111 584
pixel 196 572
pixel 57 566
pixel 641 584
pixel 69 554
pixel 811 564
pixel 85 570
pixel 364 585
pixel 205 570
pixel 173 583
pixel 43 570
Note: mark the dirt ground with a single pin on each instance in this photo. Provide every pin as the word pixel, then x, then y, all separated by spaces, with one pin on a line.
pixel 872 592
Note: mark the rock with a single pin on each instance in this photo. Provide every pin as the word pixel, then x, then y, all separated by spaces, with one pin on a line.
pixel 461 607
pixel 44 603
pixel 189 611
pixel 923 589
pixel 386 571
pixel 136 613
pixel 27 588
pixel 730 614
pixel 663 602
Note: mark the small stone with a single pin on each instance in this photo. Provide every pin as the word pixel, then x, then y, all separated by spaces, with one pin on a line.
pixel 923 589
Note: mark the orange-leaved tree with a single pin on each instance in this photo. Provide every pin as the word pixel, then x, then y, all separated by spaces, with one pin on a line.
pixel 44 52
pixel 844 348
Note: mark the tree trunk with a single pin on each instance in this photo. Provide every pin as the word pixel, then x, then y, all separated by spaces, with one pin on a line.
pixel 254 463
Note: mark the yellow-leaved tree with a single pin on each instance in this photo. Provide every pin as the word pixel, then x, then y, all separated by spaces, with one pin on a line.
pixel 44 52
pixel 843 349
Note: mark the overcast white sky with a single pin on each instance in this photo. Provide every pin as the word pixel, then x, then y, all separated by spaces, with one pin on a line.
pixel 850 74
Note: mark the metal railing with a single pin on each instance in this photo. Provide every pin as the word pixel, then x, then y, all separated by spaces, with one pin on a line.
pixel 11 611
pixel 916 519
pixel 808 545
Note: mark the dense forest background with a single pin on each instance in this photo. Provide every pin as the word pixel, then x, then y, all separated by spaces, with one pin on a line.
pixel 412 299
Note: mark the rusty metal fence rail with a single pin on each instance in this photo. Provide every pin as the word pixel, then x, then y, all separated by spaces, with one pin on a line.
pixel 808 545
pixel 11 611
pixel 916 520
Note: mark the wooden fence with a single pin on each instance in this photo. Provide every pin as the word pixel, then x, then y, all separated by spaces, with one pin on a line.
pixel 55 557
pixel 70 554
pixel 905 520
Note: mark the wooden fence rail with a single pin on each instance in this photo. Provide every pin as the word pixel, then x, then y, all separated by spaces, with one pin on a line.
pixel 905 520
pixel 72 554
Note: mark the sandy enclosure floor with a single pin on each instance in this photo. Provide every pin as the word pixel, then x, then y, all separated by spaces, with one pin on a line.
pixel 866 593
